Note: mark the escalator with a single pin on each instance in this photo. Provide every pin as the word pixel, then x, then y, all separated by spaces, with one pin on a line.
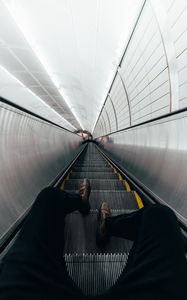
pixel 94 271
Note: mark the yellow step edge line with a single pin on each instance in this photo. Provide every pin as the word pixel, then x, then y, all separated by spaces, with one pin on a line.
pixel 113 168
pixel 63 182
pixel 127 186
pixel 108 162
pixel 62 185
pixel 115 171
pixel 138 200
pixel 110 165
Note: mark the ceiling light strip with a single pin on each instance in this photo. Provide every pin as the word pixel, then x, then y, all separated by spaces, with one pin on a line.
pixel 31 92
pixel 29 38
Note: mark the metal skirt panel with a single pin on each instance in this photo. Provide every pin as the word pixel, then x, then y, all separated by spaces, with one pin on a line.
pixel 32 153
pixel 155 155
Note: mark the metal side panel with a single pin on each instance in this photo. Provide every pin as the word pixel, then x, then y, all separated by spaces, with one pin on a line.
pixel 155 155
pixel 32 153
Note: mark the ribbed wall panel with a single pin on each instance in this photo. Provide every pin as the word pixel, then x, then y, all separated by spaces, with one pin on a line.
pixel 153 69
pixel 32 153
pixel 177 15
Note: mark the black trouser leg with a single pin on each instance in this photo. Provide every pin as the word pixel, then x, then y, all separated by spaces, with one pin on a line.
pixel 156 267
pixel 34 267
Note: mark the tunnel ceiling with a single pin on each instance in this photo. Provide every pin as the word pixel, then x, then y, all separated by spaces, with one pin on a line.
pixel 63 54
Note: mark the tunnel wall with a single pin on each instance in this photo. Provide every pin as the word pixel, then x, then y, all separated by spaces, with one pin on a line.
pixel 155 155
pixel 150 83
pixel 150 80
pixel 32 153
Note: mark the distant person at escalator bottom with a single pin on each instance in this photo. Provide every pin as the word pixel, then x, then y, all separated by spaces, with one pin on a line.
pixel 34 268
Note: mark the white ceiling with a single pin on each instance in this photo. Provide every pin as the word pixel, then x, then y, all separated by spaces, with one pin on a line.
pixel 65 51
pixel 11 88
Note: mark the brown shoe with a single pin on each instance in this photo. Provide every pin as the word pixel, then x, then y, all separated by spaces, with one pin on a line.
pixel 104 213
pixel 84 192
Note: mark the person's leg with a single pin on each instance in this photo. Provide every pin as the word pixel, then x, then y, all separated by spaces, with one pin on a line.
pixel 34 267
pixel 156 267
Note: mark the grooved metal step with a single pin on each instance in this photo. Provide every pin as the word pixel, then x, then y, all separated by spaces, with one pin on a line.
pixel 96 184
pixel 93 169
pixel 92 158
pixel 80 235
pixel 104 270
pixel 92 271
pixel 92 164
pixel 93 175
pixel 123 200
pixel 116 199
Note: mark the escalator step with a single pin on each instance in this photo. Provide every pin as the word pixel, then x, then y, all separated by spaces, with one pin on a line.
pixel 96 184
pixel 92 164
pixel 93 161
pixel 92 158
pixel 82 240
pixel 93 169
pixel 104 271
pixel 116 199
pixel 93 175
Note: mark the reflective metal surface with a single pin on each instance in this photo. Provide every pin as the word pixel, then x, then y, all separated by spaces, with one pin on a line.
pixel 32 153
pixel 155 154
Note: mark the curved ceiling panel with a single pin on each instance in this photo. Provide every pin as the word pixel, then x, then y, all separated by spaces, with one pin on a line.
pixel 66 51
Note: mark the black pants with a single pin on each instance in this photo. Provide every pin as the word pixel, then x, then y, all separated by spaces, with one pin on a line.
pixel 34 267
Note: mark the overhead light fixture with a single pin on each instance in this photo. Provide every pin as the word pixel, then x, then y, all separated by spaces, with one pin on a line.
pixel 12 76
pixel 65 97
pixel 18 16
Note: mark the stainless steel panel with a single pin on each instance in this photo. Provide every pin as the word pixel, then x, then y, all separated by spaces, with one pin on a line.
pixel 156 155
pixel 32 153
